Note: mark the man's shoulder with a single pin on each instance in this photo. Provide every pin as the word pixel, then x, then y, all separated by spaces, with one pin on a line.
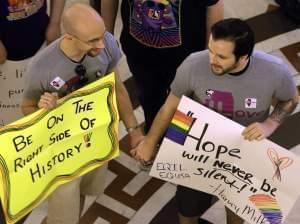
pixel 112 49
pixel 268 59
pixel 109 39
pixel 272 65
pixel 45 57
pixel 199 57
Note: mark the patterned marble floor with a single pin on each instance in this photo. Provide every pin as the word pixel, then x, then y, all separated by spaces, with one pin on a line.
pixel 131 196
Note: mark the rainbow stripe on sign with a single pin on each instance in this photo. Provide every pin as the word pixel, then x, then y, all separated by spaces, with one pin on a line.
pixel 268 206
pixel 179 128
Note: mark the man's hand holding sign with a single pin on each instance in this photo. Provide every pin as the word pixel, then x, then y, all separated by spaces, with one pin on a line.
pixel 48 100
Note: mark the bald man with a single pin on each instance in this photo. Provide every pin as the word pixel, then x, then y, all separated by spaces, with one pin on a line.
pixel 85 53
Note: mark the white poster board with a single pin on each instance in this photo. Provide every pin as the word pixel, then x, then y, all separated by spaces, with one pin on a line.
pixel 12 83
pixel 203 150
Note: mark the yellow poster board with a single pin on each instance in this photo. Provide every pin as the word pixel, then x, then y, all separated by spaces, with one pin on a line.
pixel 51 147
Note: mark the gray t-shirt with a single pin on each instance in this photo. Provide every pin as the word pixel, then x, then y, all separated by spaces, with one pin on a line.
pixel 51 71
pixel 245 98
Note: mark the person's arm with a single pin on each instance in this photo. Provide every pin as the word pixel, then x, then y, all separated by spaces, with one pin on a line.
pixel 53 30
pixel 126 112
pixel 282 109
pixel 47 101
pixel 109 10
pixel 215 13
pixel 146 150
pixel 29 106
pixel 3 53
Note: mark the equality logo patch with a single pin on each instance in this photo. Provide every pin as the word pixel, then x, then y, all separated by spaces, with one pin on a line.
pixel 57 83
pixel 250 103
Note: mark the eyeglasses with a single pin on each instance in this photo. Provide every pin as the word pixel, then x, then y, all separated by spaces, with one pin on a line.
pixel 80 71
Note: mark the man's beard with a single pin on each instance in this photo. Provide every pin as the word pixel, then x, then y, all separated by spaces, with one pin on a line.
pixel 222 71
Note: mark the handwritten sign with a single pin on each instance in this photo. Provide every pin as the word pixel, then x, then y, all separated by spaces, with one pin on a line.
pixel 48 148
pixel 203 150
pixel 12 83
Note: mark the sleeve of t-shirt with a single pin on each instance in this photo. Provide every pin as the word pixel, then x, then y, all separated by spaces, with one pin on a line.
pixel 286 87
pixel 181 84
pixel 113 49
pixel 3 19
pixel 212 2
pixel 34 86
pixel 1 29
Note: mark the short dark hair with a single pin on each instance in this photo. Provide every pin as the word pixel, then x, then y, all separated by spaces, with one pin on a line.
pixel 236 31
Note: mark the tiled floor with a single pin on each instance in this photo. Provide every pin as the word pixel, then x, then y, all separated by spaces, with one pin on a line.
pixel 131 195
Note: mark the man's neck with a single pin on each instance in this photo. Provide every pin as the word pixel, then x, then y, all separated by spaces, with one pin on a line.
pixel 70 52
pixel 241 68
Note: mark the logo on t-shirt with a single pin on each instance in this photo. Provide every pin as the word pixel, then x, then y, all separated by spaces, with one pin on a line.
pixel 250 103
pixel 20 9
pixel 57 83
pixel 223 103
pixel 156 23
pixel 220 101
pixel 209 92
